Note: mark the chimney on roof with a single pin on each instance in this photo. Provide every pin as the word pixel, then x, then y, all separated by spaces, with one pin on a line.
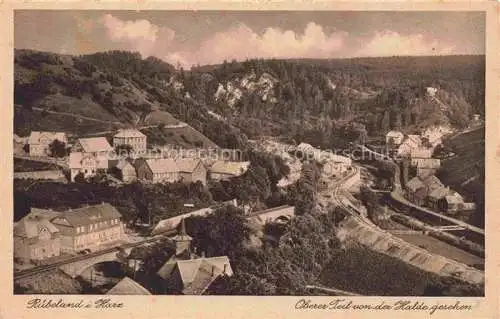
pixel 183 228
pixel 225 269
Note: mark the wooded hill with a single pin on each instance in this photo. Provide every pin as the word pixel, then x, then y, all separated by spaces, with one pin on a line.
pixel 319 101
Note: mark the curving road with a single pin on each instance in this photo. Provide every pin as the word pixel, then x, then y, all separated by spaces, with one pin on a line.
pixel 338 198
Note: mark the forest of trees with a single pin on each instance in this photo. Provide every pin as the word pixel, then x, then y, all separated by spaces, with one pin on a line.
pixel 317 101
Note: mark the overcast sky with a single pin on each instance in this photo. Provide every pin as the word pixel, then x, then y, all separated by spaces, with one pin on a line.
pixel 207 37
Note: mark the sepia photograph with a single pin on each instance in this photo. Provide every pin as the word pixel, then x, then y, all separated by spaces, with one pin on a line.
pixel 248 153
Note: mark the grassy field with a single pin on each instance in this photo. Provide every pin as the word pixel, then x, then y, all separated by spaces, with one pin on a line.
pixel 185 137
pixel 22 165
pixel 26 121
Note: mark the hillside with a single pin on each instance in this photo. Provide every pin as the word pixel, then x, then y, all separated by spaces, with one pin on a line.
pixel 315 100
pixel 68 93
pixel 465 170
pixel 322 102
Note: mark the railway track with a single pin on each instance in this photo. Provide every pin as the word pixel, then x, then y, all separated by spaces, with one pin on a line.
pixel 44 268
pixel 357 215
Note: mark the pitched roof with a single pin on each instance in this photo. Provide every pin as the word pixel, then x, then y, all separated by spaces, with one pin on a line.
pixel 414 184
pixel 304 147
pixel 203 278
pixel 30 225
pixel 76 160
pixel 122 164
pixel 439 193
pixel 35 136
pixel 415 139
pixel 454 199
pixel 95 144
pixel 394 134
pixel 229 168
pixel 432 182
pixel 187 165
pixel 127 286
pixel 162 165
pixel 88 215
pixel 189 271
pixel 129 133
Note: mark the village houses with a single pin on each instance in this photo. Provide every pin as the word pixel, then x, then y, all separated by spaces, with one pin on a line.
pixel 132 137
pixel 39 142
pixel 158 170
pixel 419 153
pixel 430 191
pixel 427 167
pixel 192 170
pixel 124 170
pixel 89 228
pixel 35 237
pixel 128 286
pixel 416 191
pixel 97 146
pixel 435 134
pixel 189 274
pixel 86 164
pixel 410 143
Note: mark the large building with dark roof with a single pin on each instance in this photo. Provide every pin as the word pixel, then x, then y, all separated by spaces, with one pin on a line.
pixel 89 227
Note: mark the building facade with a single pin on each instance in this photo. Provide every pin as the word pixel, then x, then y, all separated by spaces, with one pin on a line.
pixel 394 138
pixel 428 167
pixel 35 237
pixel 125 171
pixel 89 227
pixel 162 170
pixel 192 170
pixel 131 137
pixel 39 142
pixel 87 164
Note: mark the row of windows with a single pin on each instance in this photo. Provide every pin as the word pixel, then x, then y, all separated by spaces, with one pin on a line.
pixel 93 227
pixel 96 238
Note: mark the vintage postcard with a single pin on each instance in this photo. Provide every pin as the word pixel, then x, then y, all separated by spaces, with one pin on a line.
pixel 249 160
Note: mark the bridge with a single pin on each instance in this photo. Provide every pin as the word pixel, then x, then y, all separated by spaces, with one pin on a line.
pixel 75 265
pixel 76 268
pixel 281 213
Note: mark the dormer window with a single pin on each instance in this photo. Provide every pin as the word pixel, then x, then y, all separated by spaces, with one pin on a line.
pixel 44 233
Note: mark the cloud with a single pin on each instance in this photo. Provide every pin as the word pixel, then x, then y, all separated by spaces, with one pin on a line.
pixel 389 43
pixel 139 35
pixel 241 42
